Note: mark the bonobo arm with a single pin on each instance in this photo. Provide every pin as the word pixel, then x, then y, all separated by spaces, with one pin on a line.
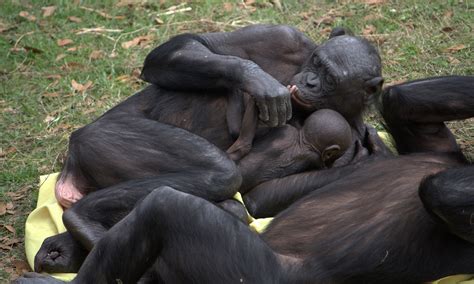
pixel 258 60
pixel 271 197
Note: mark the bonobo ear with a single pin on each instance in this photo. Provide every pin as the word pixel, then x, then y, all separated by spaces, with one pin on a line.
pixel 339 31
pixel 374 85
pixel 331 153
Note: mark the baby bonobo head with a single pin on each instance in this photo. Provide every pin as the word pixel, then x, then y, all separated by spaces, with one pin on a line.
pixel 328 133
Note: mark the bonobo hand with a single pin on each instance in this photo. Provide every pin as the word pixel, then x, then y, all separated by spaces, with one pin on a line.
pixel 60 253
pixel 374 143
pixel 272 98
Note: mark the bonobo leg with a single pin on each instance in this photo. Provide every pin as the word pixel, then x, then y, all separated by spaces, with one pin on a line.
pixel 198 242
pixel 415 112
pixel 60 254
pixel 121 146
pixel 449 197
pixel 97 212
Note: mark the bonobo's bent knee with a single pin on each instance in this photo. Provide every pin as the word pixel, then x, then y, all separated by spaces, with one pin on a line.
pixel 227 177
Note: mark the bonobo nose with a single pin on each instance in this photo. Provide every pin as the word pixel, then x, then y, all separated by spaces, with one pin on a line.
pixel 312 80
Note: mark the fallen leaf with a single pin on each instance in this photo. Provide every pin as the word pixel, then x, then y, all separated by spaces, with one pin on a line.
pixel 74 19
pixel 32 49
pixel 448 14
pixel 8 151
pixel 72 49
pixel 96 54
pixel 60 56
pixel 5 28
pixel 327 20
pixel 26 15
pixel 16 195
pixel 228 7
pixel 277 4
pixel 53 76
pixel 374 2
pixel 5 247
pixel 447 29
pixel 48 11
pixel 3 208
pixel 72 66
pixel 80 87
pixel 63 42
pixel 21 266
pixel 249 2
pixel 305 15
pixel 159 21
pixel 9 242
pixel 326 31
pixel 455 48
pixel 372 17
pixel 453 60
pixel 369 29
pixel 10 228
pixel 48 119
pixel 138 41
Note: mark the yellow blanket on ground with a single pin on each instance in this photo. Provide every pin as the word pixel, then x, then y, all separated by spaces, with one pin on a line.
pixel 46 221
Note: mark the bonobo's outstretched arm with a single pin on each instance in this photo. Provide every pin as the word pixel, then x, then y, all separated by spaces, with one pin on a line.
pixel 259 60
pixel 271 197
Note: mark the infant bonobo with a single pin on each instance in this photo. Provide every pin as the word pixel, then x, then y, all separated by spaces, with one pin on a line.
pixel 286 150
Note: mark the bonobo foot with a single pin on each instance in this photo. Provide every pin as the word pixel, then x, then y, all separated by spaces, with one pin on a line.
pixel 36 278
pixel 60 254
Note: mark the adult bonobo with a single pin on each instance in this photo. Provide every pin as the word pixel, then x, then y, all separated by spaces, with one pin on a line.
pixel 157 132
pixel 405 219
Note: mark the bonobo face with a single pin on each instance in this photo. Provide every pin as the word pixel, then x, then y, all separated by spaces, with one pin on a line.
pixel 340 74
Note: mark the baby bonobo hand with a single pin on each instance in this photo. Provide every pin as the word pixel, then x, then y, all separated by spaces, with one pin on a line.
pixel 243 144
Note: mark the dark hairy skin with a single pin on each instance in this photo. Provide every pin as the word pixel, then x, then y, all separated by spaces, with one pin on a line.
pixel 405 219
pixel 128 141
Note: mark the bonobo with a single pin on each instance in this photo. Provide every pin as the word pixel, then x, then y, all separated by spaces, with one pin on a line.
pixel 405 219
pixel 162 131
pixel 324 137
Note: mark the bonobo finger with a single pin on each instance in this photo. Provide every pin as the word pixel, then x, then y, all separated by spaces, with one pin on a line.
pixel 272 111
pixel 263 110
pixel 282 109
pixel 289 109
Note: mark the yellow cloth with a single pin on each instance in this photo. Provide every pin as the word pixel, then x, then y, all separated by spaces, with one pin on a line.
pixel 46 221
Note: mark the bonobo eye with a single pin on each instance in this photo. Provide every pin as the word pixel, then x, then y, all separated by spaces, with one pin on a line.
pixel 312 80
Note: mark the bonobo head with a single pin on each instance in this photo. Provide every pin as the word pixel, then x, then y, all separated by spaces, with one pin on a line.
pixel 328 133
pixel 341 74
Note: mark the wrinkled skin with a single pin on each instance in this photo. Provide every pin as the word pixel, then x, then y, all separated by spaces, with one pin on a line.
pixel 60 254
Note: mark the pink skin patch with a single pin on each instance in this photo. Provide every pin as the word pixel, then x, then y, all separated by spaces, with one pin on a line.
pixel 66 193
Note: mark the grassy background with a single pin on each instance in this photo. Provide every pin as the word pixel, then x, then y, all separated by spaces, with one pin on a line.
pixel 40 104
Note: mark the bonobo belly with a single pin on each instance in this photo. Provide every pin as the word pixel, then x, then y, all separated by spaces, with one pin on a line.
pixel 201 113
pixel 377 203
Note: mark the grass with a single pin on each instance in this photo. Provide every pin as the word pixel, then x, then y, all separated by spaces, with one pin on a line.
pixel 40 106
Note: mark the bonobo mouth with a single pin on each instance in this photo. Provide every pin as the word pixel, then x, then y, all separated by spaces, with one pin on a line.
pixel 299 101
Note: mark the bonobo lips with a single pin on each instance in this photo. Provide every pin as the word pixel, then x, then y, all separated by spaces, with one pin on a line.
pixel 300 102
